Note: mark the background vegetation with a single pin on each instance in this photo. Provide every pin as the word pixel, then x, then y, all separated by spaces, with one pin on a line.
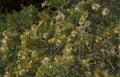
pixel 78 38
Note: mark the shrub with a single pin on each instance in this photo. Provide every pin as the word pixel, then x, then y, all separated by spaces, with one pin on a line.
pixel 73 41
pixel 12 27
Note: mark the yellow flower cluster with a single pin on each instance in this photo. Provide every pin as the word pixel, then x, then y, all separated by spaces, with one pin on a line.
pixel 105 11
pixel 95 6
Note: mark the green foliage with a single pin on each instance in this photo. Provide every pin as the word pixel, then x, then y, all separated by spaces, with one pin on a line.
pixel 82 40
